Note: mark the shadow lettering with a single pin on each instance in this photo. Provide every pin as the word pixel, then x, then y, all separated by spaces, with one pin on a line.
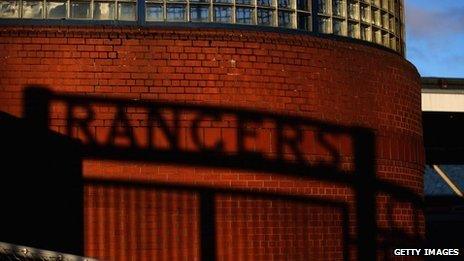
pixel 174 133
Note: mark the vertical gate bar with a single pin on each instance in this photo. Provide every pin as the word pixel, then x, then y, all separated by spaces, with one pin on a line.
pixel 365 190
pixel 207 226
pixel 36 106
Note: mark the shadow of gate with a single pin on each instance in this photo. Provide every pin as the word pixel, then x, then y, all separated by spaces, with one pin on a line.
pixel 222 219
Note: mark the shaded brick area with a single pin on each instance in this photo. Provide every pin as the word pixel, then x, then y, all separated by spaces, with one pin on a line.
pixel 331 80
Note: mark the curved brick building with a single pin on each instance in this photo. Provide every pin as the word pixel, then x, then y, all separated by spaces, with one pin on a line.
pixel 227 142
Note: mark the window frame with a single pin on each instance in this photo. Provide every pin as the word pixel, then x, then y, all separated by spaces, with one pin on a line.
pixel 384 17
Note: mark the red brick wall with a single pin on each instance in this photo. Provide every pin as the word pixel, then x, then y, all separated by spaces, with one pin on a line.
pixel 337 81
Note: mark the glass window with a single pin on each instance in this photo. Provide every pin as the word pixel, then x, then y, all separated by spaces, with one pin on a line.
pixel 365 16
pixel 33 9
pixel 353 29
pixel 392 43
pixel 264 16
pixel 391 6
pixel 243 2
pixel 284 3
pixel 377 36
pixel 353 11
pixel 323 6
pixel 199 13
pixel 103 10
pixel 338 7
pixel 303 5
pixel 376 17
pixel 80 9
pixel 385 4
pixel 339 27
pixel 365 33
pixel 244 15
pixel 386 39
pixel 285 19
pixel 264 2
pixel 385 21
pixel 391 23
pixel 324 25
pixel 9 9
pixel 379 21
pixel 56 10
pixel 175 13
pixel 126 11
pixel 397 27
pixel 223 14
pixel 154 12
pixel 304 21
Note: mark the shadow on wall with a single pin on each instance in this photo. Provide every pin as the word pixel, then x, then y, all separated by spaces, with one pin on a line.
pixel 44 188
pixel 41 188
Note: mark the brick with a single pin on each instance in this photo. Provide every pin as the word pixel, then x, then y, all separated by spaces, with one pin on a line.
pixel 273 73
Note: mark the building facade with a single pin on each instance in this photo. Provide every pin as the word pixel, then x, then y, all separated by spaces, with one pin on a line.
pixel 230 140
pixel 442 114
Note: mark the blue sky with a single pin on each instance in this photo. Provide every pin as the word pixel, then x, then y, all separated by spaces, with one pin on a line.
pixel 435 36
